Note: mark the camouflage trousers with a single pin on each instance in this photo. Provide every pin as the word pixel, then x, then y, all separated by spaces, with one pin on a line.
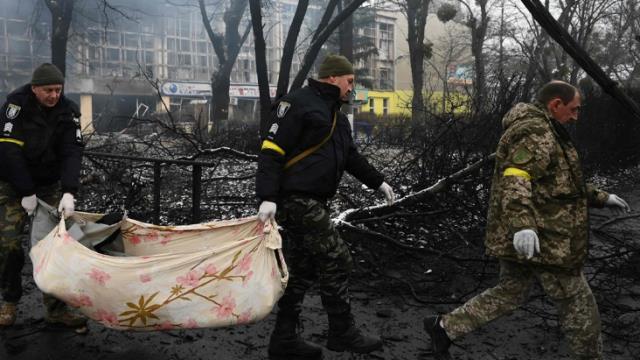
pixel 577 307
pixel 13 219
pixel 315 254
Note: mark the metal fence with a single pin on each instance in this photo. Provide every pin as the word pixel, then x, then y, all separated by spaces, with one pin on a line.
pixel 196 179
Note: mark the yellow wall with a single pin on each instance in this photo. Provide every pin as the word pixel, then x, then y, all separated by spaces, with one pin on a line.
pixel 399 102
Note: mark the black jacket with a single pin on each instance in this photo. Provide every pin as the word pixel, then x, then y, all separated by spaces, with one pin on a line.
pixel 39 146
pixel 300 120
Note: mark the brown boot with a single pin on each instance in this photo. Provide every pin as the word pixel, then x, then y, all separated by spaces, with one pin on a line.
pixel 8 312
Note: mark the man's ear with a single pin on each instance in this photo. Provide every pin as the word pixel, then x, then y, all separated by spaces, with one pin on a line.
pixel 553 104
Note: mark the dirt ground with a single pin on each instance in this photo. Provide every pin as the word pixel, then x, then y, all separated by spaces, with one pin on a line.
pixel 520 336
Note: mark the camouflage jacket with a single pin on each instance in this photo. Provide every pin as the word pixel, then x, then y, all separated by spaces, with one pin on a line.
pixel 538 184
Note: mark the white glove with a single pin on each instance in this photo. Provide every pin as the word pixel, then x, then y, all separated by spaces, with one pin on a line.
pixel 67 205
pixel 267 210
pixel 617 203
pixel 29 203
pixel 388 193
pixel 526 243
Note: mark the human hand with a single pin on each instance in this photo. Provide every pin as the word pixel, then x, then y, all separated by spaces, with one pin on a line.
pixel 267 210
pixel 67 205
pixel 29 203
pixel 526 243
pixel 388 193
pixel 617 204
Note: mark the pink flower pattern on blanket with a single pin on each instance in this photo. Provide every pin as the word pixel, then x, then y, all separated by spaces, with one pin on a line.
pixel 245 263
pixel 191 279
pixel 245 317
pixel 135 240
pixel 99 276
pixel 80 300
pixel 165 325
pixel 154 298
pixel 246 278
pixel 151 237
pixel 226 308
pixel 106 317
pixel 190 324
pixel 67 239
pixel 210 269
pixel 165 239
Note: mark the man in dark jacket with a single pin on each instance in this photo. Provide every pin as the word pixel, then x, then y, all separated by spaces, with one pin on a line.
pixel 303 156
pixel 40 152
pixel 537 226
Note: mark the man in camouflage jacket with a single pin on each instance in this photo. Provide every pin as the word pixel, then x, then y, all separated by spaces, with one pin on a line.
pixel 537 226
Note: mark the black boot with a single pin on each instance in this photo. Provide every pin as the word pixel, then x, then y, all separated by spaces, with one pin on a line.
pixel 440 341
pixel 344 336
pixel 286 344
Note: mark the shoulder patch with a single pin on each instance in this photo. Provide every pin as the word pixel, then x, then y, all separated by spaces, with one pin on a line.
pixel 8 127
pixel 283 107
pixel 12 111
pixel 274 129
pixel 521 156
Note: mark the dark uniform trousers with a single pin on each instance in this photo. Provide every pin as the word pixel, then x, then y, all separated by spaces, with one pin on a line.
pixel 13 219
pixel 577 307
pixel 315 253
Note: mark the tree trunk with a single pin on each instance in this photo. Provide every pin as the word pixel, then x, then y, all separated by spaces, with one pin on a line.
pixel 416 12
pixel 261 64
pixel 61 15
pixel 316 45
pixel 226 47
pixel 346 35
pixel 289 48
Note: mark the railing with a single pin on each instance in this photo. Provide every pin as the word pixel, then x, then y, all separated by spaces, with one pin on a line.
pixel 196 176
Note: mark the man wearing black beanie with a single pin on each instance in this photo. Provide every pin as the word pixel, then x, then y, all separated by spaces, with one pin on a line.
pixel 304 153
pixel 40 151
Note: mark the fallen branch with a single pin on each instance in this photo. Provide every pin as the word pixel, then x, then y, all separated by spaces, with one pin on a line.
pixel 440 185
pixel 350 227
pixel 616 219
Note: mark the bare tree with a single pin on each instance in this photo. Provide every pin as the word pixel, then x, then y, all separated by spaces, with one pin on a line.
pixel 478 23
pixel 325 29
pixel 416 12
pixel 226 46
pixel 61 16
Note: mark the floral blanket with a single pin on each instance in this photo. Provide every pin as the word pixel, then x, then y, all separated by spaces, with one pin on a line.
pixel 215 274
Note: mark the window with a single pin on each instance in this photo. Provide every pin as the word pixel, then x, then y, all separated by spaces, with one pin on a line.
pixel 185 45
pixel 20 47
pixel 113 38
pixel 17 27
pixel 113 55
pixel 385 106
pixel 131 40
pixel 384 76
pixel 385 41
pixel 147 42
pixel 148 57
pixel 131 56
pixel 171 44
pixel 371 106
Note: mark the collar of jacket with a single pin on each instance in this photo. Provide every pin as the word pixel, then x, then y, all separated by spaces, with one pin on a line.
pixel 559 129
pixel 328 92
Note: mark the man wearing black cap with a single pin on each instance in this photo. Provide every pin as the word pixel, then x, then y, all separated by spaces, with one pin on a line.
pixel 40 152
pixel 307 148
